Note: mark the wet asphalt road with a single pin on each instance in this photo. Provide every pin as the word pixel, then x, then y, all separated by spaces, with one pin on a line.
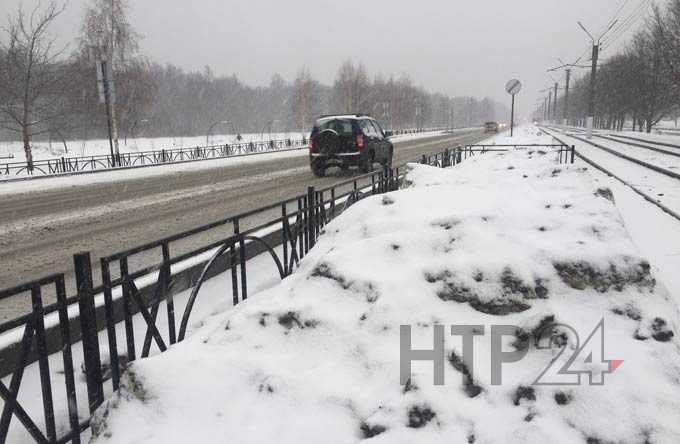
pixel 42 229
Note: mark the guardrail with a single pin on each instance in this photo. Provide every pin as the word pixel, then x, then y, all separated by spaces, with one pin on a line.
pixel 131 287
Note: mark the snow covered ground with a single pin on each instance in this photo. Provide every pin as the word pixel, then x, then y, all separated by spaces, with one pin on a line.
pixel 652 137
pixel 662 160
pixel 656 233
pixel 664 189
pixel 504 238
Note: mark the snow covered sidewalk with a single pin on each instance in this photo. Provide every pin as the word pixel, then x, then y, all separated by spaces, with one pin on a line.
pixel 502 239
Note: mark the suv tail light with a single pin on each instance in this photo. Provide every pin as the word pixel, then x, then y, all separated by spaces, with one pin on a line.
pixel 312 145
pixel 360 141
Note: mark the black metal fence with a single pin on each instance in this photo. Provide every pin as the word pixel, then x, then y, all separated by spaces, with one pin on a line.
pixel 565 153
pixel 80 164
pixel 103 320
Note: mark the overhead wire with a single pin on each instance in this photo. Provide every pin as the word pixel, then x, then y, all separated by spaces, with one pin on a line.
pixel 622 28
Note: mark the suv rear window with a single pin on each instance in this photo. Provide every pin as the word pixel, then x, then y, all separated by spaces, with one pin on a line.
pixel 341 126
pixel 367 128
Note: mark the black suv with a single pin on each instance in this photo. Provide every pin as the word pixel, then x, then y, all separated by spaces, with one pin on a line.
pixel 348 140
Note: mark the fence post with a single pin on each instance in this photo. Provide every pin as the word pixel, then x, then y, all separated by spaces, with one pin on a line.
pixel 573 151
pixel 423 160
pixel 447 158
pixel 63 164
pixel 88 326
pixel 311 219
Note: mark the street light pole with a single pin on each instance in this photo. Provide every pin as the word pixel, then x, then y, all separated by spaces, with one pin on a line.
pixel 555 105
pixel 566 98
pixel 207 136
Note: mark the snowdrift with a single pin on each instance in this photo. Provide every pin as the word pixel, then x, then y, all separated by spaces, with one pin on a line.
pixel 504 238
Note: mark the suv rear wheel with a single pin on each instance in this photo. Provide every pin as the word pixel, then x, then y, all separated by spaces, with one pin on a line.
pixel 366 165
pixel 388 161
pixel 319 168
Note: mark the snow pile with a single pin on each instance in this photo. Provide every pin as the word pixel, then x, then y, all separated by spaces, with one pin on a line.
pixel 504 238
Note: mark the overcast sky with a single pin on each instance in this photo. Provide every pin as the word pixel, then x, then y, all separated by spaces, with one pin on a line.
pixel 469 47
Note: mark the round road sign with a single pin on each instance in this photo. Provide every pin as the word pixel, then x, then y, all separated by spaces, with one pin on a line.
pixel 513 87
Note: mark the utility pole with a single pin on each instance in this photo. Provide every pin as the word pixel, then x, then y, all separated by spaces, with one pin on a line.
pixel 555 105
pixel 567 69
pixel 591 99
pixel 566 98
pixel 593 76
pixel 549 106
pixel 112 102
pixel 545 109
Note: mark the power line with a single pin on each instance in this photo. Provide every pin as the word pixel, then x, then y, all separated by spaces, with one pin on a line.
pixel 631 16
pixel 622 28
pixel 626 24
pixel 618 12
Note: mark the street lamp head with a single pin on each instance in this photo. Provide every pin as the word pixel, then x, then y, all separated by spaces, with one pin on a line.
pixel 586 31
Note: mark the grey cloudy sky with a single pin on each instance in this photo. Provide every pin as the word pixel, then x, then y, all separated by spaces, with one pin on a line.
pixel 458 47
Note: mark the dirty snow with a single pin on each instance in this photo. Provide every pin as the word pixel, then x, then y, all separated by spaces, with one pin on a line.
pixel 509 238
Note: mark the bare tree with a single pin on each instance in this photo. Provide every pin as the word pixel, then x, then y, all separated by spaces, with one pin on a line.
pixel 303 98
pixel 107 31
pixel 108 35
pixel 32 79
pixel 350 91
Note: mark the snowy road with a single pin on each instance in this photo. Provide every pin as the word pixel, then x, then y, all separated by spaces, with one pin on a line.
pixel 43 224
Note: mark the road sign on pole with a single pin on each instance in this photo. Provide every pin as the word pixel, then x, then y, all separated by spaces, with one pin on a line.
pixel 513 87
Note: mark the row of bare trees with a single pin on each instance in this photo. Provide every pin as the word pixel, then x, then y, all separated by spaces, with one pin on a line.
pixel 50 91
pixel 396 102
pixel 640 85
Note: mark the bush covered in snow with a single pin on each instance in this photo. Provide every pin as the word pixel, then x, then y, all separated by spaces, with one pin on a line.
pixel 504 238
